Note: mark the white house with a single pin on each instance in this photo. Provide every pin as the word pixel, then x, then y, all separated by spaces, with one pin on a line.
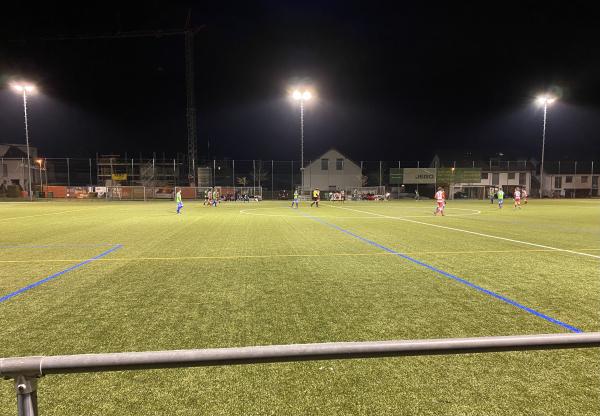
pixel 13 164
pixel 571 185
pixel 332 171
pixel 508 181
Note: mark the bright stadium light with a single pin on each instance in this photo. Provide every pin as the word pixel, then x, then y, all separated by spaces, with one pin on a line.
pixel 302 96
pixel 24 88
pixel 544 100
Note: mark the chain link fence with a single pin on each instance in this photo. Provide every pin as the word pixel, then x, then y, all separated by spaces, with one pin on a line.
pixel 278 178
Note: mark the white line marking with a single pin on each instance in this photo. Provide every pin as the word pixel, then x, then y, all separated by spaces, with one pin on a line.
pixel 42 215
pixel 266 256
pixel 246 211
pixel 473 232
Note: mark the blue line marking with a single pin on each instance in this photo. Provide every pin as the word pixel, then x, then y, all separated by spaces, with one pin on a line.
pixel 453 277
pixel 55 275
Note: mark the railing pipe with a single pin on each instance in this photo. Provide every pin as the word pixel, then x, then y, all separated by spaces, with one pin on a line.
pixel 62 364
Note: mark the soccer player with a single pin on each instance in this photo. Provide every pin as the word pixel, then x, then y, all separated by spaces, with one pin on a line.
pixel 215 197
pixel 315 197
pixel 524 195
pixel 209 197
pixel 500 194
pixel 517 197
pixel 295 201
pixel 440 198
pixel 178 200
pixel 491 195
pixel 205 196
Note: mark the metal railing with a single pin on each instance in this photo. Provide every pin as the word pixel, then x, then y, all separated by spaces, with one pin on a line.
pixel 25 371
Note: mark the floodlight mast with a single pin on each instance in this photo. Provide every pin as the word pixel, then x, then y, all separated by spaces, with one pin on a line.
pixel 544 100
pixel 301 96
pixel 23 89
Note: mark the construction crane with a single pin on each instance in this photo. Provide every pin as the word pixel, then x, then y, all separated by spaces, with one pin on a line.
pixel 188 32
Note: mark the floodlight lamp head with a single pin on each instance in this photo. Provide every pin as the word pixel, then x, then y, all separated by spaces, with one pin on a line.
pixel 306 95
pixel 16 87
pixel 545 99
pixel 22 87
pixel 297 95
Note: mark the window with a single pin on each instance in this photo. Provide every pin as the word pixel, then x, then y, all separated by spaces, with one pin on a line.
pixel 584 179
pixel 324 164
pixel 522 178
pixel 568 179
pixel 339 164
pixel 495 178
pixel 484 175
pixel 511 175
pixel 558 181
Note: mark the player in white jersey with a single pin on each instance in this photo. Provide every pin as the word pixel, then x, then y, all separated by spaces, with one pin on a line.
pixel 524 195
pixel 440 199
pixel 517 197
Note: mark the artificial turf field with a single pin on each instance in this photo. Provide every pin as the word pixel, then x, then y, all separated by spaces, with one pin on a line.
pixel 262 273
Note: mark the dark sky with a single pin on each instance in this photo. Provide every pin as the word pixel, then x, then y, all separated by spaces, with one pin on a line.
pixel 395 80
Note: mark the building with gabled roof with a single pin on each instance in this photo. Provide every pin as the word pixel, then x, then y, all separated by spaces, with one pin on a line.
pixel 332 171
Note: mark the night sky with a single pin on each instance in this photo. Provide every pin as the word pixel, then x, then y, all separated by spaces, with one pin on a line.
pixel 395 81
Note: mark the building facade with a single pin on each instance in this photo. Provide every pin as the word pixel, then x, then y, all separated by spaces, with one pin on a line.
pixel 571 185
pixel 13 165
pixel 332 171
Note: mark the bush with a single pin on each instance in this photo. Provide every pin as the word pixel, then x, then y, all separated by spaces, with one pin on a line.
pixel 13 191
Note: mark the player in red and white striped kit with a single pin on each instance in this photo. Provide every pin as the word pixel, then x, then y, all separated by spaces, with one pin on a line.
pixel 517 197
pixel 440 199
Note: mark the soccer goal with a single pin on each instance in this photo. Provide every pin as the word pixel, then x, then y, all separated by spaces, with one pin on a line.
pixel 122 193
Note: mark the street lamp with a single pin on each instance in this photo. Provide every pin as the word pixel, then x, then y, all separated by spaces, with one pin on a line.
pixel 544 100
pixel 301 96
pixel 24 88
pixel 39 162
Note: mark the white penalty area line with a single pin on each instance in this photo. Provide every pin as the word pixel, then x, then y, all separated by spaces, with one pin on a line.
pixel 266 256
pixel 445 227
pixel 43 215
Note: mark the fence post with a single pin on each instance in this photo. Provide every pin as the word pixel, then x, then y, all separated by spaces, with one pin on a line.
pixel 592 180
pixel 292 176
pixel 26 388
pixel 90 163
pixel 214 171
pixel 233 172
pixel 175 172
pixel 380 173
pixel 68 174
pixel 253 175
pixel 272 182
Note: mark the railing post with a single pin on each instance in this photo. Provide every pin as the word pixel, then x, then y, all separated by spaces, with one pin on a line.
pixel 26 387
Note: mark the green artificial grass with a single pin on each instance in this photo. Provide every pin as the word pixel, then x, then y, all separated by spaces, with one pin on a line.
pixel 262 274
